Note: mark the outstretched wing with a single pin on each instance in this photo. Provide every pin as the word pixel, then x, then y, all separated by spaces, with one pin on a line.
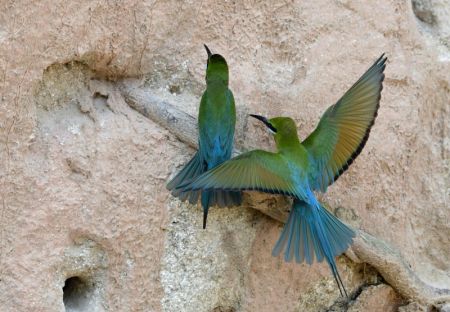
pixel 256 170
pixel 344 128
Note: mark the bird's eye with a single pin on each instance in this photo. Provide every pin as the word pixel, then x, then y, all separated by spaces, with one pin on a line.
pixel 271 128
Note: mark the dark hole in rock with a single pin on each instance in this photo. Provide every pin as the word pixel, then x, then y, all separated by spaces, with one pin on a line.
pixel 174 89
pixel 423 10
pixel 77 294
pixel 99 95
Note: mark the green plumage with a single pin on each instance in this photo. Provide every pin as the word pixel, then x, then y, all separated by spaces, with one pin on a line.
pixel 216 122
pixel 299 168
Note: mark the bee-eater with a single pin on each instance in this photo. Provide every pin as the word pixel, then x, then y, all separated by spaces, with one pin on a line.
pixel 216 121
pixel 299 168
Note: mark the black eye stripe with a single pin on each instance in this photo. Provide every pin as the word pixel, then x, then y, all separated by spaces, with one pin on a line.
pixel 269 125
pixel 265 121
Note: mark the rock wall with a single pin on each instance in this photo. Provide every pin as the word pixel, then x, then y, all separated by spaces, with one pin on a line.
pixel 85 221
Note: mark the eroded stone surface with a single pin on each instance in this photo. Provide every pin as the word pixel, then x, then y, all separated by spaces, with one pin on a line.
pixel 380 298
pixel 78 165
pixel 414 307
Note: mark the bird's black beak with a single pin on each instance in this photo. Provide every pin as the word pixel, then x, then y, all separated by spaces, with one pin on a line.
pixel 265 121
pixel 207 50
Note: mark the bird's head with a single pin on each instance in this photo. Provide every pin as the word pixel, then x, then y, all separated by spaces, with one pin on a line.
pixel 216 67
pixel 283 128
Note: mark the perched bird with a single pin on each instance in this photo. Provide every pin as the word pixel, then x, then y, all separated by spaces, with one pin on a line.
pixel 216 121
pixel 299 168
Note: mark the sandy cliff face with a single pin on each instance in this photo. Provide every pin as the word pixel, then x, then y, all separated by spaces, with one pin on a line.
pixel 82 174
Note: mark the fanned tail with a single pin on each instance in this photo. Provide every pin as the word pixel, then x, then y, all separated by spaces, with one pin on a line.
pixel 192 169
pixel 313 231
pixel 220 198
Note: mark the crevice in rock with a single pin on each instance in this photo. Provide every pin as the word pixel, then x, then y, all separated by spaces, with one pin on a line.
pixel 343 305
pixel 434 23
pixel 68 83
pixel 78 293
pixel 423 10
pixel 83 276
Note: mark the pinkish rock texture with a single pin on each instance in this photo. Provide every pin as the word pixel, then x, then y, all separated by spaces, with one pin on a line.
pixel 82 175
pixel 381 298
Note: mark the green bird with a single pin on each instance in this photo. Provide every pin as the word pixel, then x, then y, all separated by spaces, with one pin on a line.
pixel 216 122
pixel 299 168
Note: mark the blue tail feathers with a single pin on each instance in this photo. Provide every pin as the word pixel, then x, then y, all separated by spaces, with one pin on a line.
pixel 194 168
pixel 314 232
